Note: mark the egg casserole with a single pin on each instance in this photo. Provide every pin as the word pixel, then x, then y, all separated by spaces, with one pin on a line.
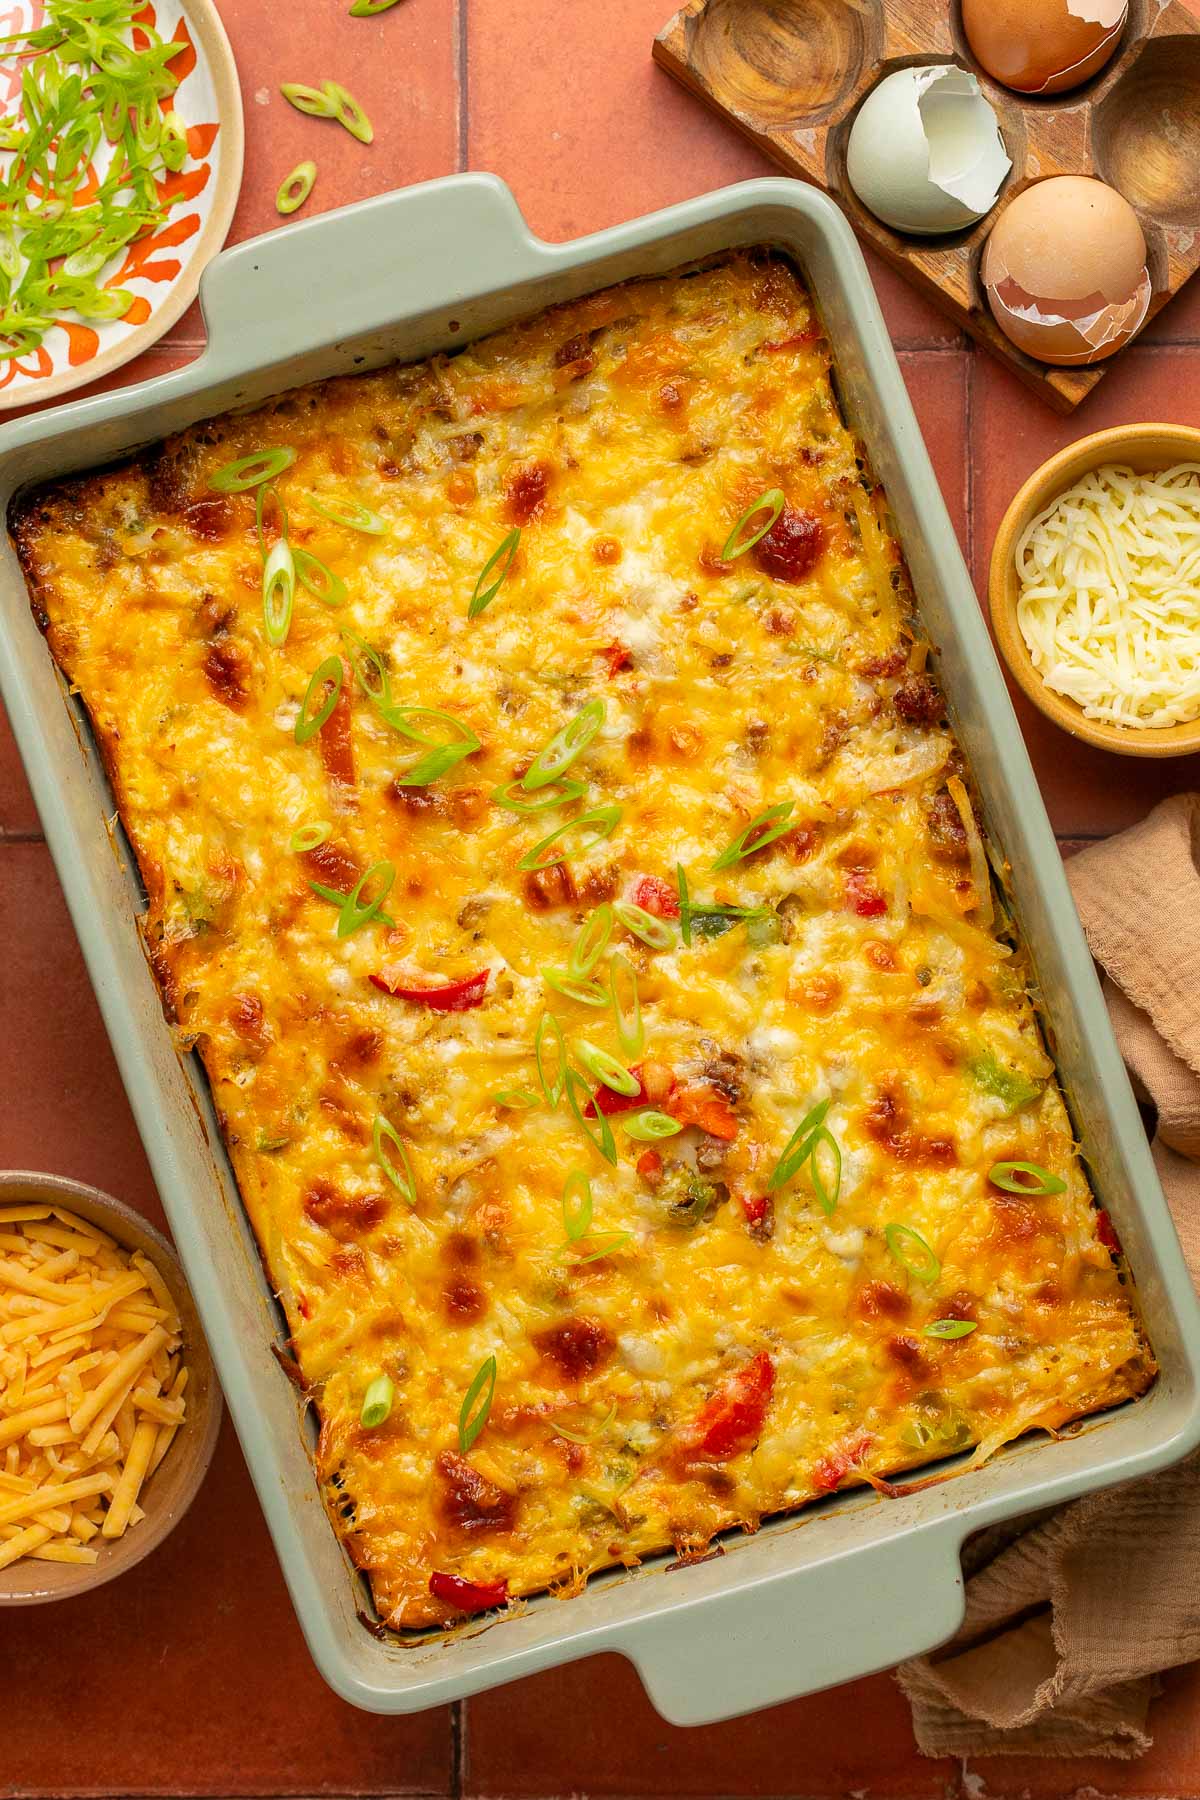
pixel 556 849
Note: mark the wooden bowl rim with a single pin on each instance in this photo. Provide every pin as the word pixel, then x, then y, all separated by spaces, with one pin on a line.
pixel 1148 445
pixel 42 1582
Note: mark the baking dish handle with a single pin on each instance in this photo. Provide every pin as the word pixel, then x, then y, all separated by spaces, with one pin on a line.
pixel 402 246
pixel 733 1652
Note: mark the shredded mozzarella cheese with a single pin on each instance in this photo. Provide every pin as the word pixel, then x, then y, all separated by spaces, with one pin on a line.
pixel 1110 595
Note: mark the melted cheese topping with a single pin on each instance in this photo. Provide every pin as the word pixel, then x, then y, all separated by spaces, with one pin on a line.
pixel 738 1351
pixel 1110 595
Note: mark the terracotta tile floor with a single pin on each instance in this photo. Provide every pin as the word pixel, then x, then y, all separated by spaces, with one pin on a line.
pixel 204 1686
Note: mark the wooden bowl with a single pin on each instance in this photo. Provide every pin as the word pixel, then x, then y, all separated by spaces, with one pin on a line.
pixel 1143 448
pixel 172 1487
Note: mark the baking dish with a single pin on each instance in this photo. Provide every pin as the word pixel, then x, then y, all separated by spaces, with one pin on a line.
pixel 850 1586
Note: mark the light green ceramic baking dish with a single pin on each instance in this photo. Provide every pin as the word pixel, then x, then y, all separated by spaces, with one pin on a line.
pixel 849 1586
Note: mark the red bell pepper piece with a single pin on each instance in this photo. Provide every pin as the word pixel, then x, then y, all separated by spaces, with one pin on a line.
pixel 732 1420
pixel 650 1167
pixel 468 1596
pixel 863 895
pixel 458 996
pixel 654 895
pixel 833 1469
pixel 754 1207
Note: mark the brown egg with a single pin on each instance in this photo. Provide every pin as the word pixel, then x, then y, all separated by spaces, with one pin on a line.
pixel 1043 46
pixel 1065 271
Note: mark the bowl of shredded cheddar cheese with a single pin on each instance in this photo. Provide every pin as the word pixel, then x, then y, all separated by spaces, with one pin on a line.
pixel 1095 589
pixel 109 1404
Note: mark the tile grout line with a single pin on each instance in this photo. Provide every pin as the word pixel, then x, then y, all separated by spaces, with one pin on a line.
pixel 458 1749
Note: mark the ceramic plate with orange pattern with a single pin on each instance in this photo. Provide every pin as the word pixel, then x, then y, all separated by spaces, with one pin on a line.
pixel 163 268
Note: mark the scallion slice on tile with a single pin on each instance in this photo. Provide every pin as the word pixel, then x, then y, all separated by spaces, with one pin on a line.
pixel 295 188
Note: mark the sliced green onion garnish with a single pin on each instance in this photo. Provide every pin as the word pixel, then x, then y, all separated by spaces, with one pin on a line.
pixel 584 1437
pixel 354 913
pixel 348 112
pixel 600 822
pixel 515 1099
pixel 477 1404
pixel 827 1196
pixel 318 578
pixel 434 764
pixel 369 668
pixel 798 1148
pixel 313 101
pixel 603 1067
pixel 924 1265
pixel 631 1034
pixel 556 757
pixel 644 925
pixel 327 674
pixel 366 9
pixel 502 559
pixel 553 1090
pixel 278 592
pixel 295 188
pixel 773 503
pixel 950 1328
pixel 685 908
pixel 348 513
pixel 588 992
pixel 760 832
pixel 1025 1178
pixel 648 1126
pixel 596 1130
pixel 307 837
pixel 576 1205
pixel 251 471
pixel 173 145
pixel 514 798
pixel 591 943
pixel 377 1402
pixel 604 1246
pixel 383 1132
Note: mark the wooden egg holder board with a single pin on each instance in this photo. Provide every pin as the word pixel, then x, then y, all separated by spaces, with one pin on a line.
pixel 790 74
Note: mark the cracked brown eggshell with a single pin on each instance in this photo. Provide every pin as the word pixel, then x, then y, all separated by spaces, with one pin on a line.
pixel 1043 46
pixel 1065 271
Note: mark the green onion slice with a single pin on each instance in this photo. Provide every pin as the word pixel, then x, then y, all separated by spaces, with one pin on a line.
pixel 502 559
pixel 799 1147
pixel 173 145
pixel 278 592
pixel 773 503
pixel 384 1133
pixel 348 513
pixel 553 1090
pixel 556 757
pixel 576 1205
pixel 827 1197
pixel 599 822
pixel 1025 1178
pixel 924 1265
pixel 584 1437
pixel 313 101
pixel 607 1245
pixel 559 795
pixel 348 112
pixel 950 1328
pixel 760 832
pixel 603 1067
pixel 515 1099
pixel 307 837
pixel 591 942
pixel 318 578
pixel 369 668
pixel 685 905
pixel 644 925
pixel 327 674
pixel 588 992
pixel 366 9
pixel 354 914
pixel 477 1404
pixel 649 1126
pixel 596 1130
pixel 631 1033
pixel 377 1402
pixel 434 764
pixel 295 188
pixel 251 471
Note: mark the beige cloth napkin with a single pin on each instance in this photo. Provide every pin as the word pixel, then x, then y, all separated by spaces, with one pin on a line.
pixel 1070 1621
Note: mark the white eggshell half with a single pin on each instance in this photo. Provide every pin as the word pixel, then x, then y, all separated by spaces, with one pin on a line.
pixel 925 153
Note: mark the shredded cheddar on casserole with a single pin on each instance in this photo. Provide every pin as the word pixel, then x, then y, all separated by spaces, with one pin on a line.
pixel 556 848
